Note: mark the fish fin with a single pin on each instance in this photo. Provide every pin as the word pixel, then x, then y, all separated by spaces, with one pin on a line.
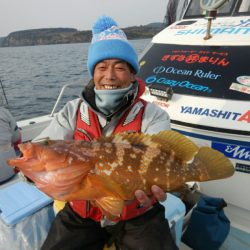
pixel 168 140
pixel 109 198
pixel 101 192
pixel 183 147
pixel 217 164
pixel 111 206
pixel 94 187
pixel 107 187
pixel 125 138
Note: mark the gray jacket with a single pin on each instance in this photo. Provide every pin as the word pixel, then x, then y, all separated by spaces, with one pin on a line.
pixel 9 132
pixel 63 125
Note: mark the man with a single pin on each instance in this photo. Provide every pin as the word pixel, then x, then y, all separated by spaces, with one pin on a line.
pixel 10 136
pixel 110 103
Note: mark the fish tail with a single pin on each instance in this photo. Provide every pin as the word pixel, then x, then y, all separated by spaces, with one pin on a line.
pixel 216 164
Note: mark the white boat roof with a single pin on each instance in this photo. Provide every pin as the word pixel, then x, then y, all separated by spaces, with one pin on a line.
pixel 231 31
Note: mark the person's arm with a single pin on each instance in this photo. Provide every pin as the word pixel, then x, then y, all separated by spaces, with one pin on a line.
pixel 155 120
pixel 63 125
pixel 9 128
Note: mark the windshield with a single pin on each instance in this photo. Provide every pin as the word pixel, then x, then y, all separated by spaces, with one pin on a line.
pixel 244 7
pixel 230 8
pixel 211 71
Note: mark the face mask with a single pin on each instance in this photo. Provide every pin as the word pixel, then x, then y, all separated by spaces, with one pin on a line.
pixel 108 100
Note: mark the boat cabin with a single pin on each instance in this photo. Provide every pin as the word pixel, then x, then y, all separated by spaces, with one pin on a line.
pixel 197 69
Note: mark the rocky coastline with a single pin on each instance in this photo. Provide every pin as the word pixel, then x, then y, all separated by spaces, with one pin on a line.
pixel 48 36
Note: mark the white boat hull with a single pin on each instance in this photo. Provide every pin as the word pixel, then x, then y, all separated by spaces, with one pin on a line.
pixel 33 127
pixel 235 190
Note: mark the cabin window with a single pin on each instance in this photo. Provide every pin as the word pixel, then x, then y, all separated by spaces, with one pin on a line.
pixel 244 6
pixel 194 10
pixel 218 71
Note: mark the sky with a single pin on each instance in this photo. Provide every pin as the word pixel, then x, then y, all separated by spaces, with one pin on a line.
pixel 18 15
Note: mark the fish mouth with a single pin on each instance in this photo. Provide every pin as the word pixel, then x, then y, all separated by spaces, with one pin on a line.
pixel 27 150
pixel 14 162
pixel 26 153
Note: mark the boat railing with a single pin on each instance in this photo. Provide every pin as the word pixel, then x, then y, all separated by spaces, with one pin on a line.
pixel 60 96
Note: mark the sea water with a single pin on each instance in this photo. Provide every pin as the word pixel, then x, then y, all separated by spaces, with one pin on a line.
pixel 33 76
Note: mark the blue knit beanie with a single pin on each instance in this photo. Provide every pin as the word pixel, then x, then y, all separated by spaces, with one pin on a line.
pixel 110 42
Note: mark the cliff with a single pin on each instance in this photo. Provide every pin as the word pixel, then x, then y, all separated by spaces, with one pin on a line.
pixel 69 35
pixel 1 41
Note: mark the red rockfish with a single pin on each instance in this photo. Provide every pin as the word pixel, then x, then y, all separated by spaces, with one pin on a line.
pixel 108 170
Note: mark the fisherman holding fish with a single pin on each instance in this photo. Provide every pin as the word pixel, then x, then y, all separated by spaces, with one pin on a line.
pixel 110 104
pixel 107 151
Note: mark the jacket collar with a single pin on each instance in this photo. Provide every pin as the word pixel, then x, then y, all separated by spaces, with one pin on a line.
pixel 88 95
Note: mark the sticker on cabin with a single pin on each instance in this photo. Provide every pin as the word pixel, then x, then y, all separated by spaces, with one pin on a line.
pixel 240 88
pixel 245 80
pixel 244 168
pixel 234 151
pixel 216 113
pixel 207 71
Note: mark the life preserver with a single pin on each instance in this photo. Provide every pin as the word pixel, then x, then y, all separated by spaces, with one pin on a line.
pixel 88 128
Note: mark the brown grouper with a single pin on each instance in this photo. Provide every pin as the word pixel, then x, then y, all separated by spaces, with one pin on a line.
pixel 108 170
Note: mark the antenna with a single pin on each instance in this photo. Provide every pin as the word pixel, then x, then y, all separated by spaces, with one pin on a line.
pixel 211 6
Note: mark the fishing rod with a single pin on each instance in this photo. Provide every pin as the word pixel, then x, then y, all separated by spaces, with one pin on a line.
pixel 6 100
